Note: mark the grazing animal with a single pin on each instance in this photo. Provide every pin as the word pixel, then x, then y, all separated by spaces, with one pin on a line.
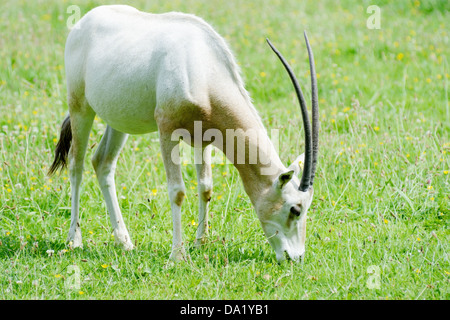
pixel 143 72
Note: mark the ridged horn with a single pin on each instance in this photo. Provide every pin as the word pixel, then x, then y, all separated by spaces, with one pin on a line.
pixel 315 109
pixel 305 181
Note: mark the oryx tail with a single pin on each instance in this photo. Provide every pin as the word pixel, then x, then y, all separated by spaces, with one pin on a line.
pixel 63 147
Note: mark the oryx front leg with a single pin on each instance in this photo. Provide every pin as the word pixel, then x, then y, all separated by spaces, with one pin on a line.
pixel 81 123
pixel 104 162
pixel 204 181
pixel 171 157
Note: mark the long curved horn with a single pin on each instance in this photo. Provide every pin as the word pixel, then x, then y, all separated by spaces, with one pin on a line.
pixel 315 109
pixel 305 181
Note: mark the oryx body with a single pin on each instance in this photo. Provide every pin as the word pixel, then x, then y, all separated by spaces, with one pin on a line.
pixel 141 73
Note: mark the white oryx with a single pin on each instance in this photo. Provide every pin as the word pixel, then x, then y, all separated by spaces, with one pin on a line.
pixel 143 72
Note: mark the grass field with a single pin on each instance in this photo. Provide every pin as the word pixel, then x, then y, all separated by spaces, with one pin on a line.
pixel 379 224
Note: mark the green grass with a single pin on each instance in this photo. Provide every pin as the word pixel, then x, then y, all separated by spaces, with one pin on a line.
pixel 382 193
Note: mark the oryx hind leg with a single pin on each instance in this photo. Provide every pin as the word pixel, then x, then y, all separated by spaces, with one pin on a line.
pixel 202 158
pixel 104 162
pixel 81 119
pixel 171 157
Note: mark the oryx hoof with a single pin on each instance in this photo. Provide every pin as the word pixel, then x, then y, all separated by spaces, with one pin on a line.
pixel 178 254
pixel 123 241
pixel 199 242
pixel 74 238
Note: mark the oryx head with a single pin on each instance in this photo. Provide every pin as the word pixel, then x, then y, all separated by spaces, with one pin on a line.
pixel 283 209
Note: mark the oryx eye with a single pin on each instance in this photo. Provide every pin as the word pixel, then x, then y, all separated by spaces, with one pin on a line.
pixel 296 210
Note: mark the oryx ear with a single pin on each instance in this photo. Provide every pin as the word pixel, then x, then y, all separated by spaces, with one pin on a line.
pixel 298 163
pixel 284 178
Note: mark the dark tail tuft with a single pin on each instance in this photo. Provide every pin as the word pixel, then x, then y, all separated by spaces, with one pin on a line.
pixel 62 147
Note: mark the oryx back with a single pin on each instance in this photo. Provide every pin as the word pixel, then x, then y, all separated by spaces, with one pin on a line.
pixel 128 63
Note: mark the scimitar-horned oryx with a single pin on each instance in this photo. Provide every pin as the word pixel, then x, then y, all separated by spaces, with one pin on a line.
pixel 141 73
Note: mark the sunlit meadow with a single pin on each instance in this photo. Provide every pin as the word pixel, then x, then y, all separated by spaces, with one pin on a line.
pixel 379 224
